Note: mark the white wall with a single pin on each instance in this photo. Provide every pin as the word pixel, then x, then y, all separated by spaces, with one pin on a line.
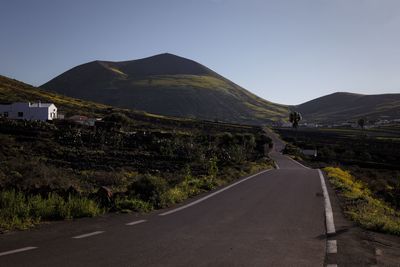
pixel 29 111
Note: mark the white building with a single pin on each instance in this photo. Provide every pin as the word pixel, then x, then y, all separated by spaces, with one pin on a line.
pixel 29 111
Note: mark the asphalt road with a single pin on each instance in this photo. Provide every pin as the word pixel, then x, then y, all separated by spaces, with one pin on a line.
pixel 272 219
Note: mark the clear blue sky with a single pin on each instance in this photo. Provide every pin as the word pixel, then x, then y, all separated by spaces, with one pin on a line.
pixel 286 51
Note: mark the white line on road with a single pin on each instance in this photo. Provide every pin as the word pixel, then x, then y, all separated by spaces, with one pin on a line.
pixel 212 194
pixel 331 265
pixel 298 163
pixel 331 247
pixel 277 166
pixel 135 222
pixel 16 251
pixel 330 225
pixel 88 234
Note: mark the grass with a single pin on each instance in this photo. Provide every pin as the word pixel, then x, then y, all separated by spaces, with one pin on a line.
pixel 195 81
pixel 153 195
pixel 260 108
pixel 127 204
pixel 361 205
pixel 18 211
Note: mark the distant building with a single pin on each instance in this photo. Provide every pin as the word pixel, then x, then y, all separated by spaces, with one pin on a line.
pixel 309 152
pixel 84 120
pixel 29 111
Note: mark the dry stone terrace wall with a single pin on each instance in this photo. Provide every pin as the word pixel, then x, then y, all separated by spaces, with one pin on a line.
pixel 75 149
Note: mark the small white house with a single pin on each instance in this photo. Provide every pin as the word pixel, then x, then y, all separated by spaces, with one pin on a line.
pixel 310 152
pixel 29 111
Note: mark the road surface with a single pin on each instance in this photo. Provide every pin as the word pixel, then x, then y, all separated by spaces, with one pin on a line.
pixel 275 218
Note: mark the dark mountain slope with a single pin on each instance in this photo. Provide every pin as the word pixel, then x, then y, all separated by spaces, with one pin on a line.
pixel 347 106
pixel 169 85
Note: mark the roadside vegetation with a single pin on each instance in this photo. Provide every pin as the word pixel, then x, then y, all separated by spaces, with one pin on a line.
pixel 361 205
pixel 20 211
pixel 363 166
pixel 62 170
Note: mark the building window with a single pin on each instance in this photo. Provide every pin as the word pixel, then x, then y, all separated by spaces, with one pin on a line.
pixel 5 114
pixel 20 114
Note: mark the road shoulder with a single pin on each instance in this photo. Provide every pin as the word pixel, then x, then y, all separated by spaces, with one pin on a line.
pixel 359 247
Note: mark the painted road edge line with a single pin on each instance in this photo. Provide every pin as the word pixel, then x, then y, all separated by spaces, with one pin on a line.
pixel 276 165
pixel 135 222
pixel 16 251
pixel 295 161
pixel 331 246
pixel 330 225
pixel 212 194
pixel 88 234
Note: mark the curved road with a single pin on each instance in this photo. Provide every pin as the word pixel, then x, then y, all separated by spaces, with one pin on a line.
pixel 275 218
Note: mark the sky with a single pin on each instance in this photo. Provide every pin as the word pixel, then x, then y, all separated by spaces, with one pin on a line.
pixel 286 51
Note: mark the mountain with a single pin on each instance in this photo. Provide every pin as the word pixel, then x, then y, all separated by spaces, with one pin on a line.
pixel 168 85
pixel 343 106
pixel 12 90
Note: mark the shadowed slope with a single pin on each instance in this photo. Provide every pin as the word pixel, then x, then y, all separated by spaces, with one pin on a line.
pixel 346 106
pixel 166 84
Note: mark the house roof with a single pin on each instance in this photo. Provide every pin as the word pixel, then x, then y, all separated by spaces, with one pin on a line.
pixel 42 105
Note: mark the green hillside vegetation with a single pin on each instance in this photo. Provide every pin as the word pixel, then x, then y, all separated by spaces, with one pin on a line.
pixel 361 205
pixel 168 85
pixel 58 170
pixel 340 107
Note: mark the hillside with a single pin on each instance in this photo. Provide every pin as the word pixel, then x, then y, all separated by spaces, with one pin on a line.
pixel 347 106
pixel 15 91
pixel 168 85
pixel 47 170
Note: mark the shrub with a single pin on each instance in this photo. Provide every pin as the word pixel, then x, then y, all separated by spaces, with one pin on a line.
pixel 149 189
pixel 174 195
pixel 127 204
pixel 14 211
pixel 34 176
pixel 18 211
pixel 78 207
pixel 291 150
pixel 327 153
pixel 119 118
pixel 362 207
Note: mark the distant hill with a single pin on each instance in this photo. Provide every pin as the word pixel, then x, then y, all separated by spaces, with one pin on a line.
pixel 166 84
pixel 15 91
pixel 348 106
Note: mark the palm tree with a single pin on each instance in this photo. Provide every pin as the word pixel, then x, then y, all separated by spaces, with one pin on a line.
pixel 294 118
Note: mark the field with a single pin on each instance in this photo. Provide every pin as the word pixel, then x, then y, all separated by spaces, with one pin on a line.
pixel 363 166
pixel 62 170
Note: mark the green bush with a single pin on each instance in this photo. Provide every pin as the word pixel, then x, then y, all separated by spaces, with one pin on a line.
pixel 149 188
pixel 78 207
pixel 14 211
pixel 291 150
pixel 126 204
pixel 18 211
pixel 174 195
pixel 119 118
